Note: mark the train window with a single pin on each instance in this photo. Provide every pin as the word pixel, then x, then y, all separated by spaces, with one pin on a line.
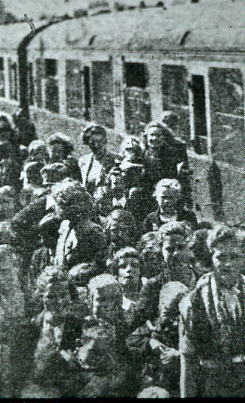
pixel 199 110
pixel 13 84
pixel 51 86
pixel 74 89
pixel 227 114
pixel 50 67
pixel 2 79
pixel 135 75
pixel 137 104
pixel 103 93
pixel 175 98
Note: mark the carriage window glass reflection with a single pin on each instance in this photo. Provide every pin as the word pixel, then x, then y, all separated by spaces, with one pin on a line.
pixel 227 114
pixel 175 97
pixel 74 104
pixel 2 79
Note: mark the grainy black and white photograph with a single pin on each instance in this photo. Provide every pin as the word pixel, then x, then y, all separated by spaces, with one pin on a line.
pixel 122 213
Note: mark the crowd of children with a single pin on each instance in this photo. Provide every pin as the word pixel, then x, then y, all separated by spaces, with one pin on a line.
pixel 110 287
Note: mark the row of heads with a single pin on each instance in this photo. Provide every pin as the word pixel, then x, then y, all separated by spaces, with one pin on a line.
pixel 94 131
pixel 171 292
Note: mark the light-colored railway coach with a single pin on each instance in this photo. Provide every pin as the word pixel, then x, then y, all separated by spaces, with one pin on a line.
pixel 123 69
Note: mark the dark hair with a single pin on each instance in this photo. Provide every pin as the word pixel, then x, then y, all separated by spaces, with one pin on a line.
pixel 88 132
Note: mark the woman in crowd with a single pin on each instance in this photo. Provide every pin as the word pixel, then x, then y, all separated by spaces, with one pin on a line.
pixel 164 154
pixel 95 165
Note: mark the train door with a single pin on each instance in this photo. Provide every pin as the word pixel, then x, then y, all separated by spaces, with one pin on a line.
pixel 199 112
pixel 87 92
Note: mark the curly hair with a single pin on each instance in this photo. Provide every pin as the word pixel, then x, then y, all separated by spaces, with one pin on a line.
pixel 72 192
pixel 222 233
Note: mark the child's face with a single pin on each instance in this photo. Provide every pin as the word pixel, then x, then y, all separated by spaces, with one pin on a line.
pixel 129 273
pixel 228 261
pixel 155 138
pixel 105 303
pixel 172 244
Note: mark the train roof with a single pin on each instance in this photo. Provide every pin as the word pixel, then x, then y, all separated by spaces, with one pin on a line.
pixel 184 27
pixel 12 34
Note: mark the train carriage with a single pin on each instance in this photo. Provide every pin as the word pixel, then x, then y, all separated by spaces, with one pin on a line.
pixel 123 69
